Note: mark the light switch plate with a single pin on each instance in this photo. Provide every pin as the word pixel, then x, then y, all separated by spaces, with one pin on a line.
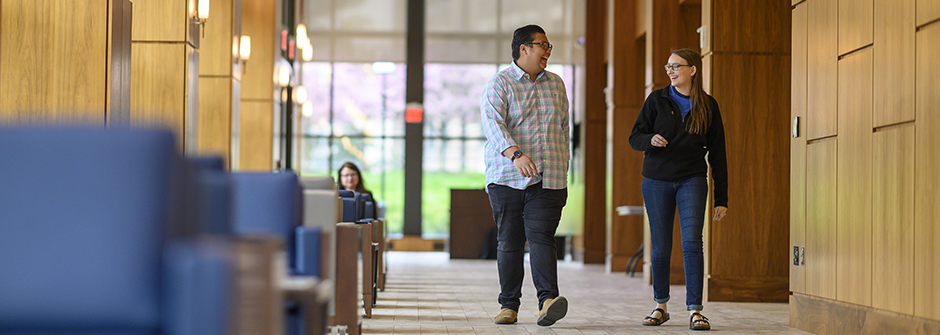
pixel 802 255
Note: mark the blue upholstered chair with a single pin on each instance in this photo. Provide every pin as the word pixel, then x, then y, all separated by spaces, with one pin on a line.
pixel 93 224
pixel 270 204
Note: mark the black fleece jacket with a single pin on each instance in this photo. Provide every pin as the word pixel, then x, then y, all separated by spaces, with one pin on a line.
pixel 684 155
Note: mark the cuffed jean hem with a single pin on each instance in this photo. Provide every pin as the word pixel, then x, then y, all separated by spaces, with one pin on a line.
pixel 694 307
pixel 661 301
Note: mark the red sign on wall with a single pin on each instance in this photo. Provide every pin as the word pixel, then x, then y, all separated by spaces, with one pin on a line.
pixel 414 115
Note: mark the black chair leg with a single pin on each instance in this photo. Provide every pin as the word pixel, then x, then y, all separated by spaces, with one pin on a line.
pixel 634 261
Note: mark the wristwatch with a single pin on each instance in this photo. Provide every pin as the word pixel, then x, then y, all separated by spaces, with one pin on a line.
pixel 515 155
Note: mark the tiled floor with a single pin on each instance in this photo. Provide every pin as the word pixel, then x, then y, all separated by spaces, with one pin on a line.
pixel 427 293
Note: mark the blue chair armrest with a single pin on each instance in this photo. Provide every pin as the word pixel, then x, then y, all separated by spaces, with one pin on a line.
pixel 198 288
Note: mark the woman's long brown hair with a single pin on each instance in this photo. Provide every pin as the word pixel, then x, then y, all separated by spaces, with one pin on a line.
pixel 701 116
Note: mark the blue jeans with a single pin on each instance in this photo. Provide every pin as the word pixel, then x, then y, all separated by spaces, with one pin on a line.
pixel 662 199
pixel 531 214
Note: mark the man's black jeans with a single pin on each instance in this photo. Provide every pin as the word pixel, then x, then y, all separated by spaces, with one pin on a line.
pixel 526 215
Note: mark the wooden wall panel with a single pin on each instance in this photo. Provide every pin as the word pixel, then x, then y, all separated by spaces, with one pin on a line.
pixel 259 22
pixel 625 71
pixel 798 144
pixel 894 61
pixel 753 112
pixel 54 60
pixel 820 316
pixel 856 24
pixel 161 20
pixel 215 116
pixel 927 11
pixel 159 85
pixel 853 241
pixel 823 63
pixel 219 74
pixel 662 37
pixel 219 49
pixel 927 203
pixel 255 134
pixel 690 19
pixel 893 219
pixel 594 135
pixel 733 27
pixel 747 255
pixel 821 218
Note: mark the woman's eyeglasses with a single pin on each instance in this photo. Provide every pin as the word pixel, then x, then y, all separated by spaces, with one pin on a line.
pixel 675 67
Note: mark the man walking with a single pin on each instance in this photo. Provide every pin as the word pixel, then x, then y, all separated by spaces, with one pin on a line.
pixel 525 119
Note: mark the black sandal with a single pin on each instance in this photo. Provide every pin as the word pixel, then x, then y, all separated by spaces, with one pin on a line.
pixel 700 324
pixel 651 321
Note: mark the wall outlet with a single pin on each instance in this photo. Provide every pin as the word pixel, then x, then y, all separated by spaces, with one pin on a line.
pixel 796 255
pixel 802 255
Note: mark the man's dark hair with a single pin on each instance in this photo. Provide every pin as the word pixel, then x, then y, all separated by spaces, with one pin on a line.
pixel 522 36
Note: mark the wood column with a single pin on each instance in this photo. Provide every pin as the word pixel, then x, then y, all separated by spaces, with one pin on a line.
pixel 626 95
pixel 253 135
pixel 64 64
pixel 165 65
pixel 220 73
pixel 747 69
pixel 594 132
pixel 668 25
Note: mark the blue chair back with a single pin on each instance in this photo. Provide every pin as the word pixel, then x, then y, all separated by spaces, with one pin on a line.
pixel 267 203
pixel 85 214
pixel 213 195
pixel 351 204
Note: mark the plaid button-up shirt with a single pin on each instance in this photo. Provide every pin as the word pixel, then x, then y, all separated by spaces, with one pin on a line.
pixel 532 115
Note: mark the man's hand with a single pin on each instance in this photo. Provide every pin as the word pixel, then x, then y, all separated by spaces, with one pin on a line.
pixel 525 166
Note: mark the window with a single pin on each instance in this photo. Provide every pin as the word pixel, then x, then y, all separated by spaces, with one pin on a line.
pixel 356 113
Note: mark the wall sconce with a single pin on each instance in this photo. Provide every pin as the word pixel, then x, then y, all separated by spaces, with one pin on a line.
pixel 202 14
pixel 301 35
pixel 307 109
pixel 300 94
pixel 303 43
pixel 283 77
pixel 244 49
pixel 307 52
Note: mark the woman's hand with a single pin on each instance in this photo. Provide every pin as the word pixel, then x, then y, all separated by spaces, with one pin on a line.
pixel 658 141
pixel 720 212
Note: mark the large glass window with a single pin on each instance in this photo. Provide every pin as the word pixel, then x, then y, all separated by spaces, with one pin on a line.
pixel 356 107
pixel 356 115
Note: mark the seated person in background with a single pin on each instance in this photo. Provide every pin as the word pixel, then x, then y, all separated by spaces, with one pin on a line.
pixel 350 179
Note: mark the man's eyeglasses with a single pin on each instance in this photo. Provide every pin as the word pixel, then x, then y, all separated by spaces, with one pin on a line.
pixel 675 67
pixel 544 45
